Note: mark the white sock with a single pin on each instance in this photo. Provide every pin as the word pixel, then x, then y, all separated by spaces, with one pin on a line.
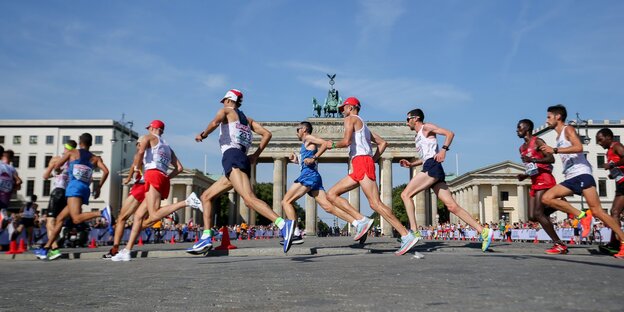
pixel 354 223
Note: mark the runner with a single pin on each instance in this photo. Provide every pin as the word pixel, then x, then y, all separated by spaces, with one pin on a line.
pixel 9 183
pixel 235 138
pixel 26 216
pixel 432 175
pixel 358 138
pixel 80 167
pixel 310 182
pixel 133 201
pixel 578 177
pixel 155 156
pixel 615 165
pixel 539 168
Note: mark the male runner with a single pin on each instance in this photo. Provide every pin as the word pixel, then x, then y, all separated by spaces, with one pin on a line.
pixel 80 168
pixel 310 182
pixel 155 156
pixel 615 165
pixel 539 168
pixel 235 138
pixel 358 138
pixel 130 205
pixel 578 176
pixel 57 201
pixel 432 174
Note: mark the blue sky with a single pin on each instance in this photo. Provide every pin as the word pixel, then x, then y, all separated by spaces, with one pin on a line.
pixel 475 67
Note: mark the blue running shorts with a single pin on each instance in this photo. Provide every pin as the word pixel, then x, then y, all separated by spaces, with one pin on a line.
pixel 80 189
pixel 579 183
pixel 311 179
pixel 235 158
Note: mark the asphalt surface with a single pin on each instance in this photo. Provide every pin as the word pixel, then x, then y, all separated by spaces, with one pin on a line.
pixel 324 274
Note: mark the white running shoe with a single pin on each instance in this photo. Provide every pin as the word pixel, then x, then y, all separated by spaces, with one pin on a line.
pixel 194 202
pixel 122 255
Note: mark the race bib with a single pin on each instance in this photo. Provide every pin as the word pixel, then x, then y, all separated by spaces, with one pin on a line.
pixel 531 169
pixel 6 184
pixel 82 173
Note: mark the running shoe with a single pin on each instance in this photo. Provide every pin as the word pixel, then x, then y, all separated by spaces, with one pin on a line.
pixel 620 255
pixel 486 239
pixel 407 242
pixel 361 229
pixel 111 253
pixel 194 202
pixel 586 222
pixel 53 254
pixel 202 246
pixel 296 240
pixel 122 255
pixel 609 249
pixel 557 249
pixel 287 232
pixel 41 253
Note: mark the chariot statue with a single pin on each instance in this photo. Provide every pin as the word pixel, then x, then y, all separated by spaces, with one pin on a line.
pixel 332 101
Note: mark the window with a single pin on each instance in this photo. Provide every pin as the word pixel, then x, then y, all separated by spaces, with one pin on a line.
pixel 98 139
pixel 49 139
pixel 32 161
pixel 65 139
pixel 32 139
pixel 30 187
pixel 616 138
pixel 46 162
pixel 46 187
pixel 600 160
pixel 1 139
pixel 504 196
pixel 96 184
pixel 602 188
pixel 17 140
pixel 16 161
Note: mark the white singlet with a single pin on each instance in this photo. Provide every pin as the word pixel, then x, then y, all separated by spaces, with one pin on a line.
pixel 426 147
pixel 361 142
pixel 235 134
pixel 157 157
pixel 573 164
pixel 61 179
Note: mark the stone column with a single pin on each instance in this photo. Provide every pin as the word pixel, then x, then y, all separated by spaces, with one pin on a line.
pixel 419 200
pixel 495 203
pixel 434 208
pixel 475 203
pixel 310 221
pixel 126 191
pixel 354 199
pixel 252 214
pixel 386 191
pixel 246 214
pixel 278 184
pixel 170 198
pixel 187 209
pixel 232 212
pixel 522 209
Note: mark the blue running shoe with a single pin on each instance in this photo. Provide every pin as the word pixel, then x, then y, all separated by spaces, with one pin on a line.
pixel 41 253
pixel 361 230
pixel 407 242
pixel 486 239
pixel 287 232
pixel 202 246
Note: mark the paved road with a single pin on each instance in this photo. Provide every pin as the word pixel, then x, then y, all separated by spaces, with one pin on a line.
pixel 453 276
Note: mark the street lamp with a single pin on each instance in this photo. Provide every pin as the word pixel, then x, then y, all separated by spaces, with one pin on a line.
pixel 579 123
pixel 125 138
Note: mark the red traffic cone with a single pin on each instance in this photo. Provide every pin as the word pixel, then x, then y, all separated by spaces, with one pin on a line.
pixel 572 242
pixel 12 248
pixel 92 244
pixel 172 242
pixel 140 243
pixel 535 241
pixel 509 239
pixel 225 240
pixel 196 238
pixel 22 246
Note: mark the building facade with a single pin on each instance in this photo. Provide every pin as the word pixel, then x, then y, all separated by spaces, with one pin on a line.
pixel 35 142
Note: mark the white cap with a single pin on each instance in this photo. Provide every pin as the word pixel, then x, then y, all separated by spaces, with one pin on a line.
pixel 234 95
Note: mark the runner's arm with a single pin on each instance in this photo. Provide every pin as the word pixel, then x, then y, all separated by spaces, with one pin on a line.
pixel 266 135
pixel 17 181
pixel 322 147
pixel 448 139
pixel 548 158
pixel 63 160
pixel 214 124
pixel 348 135
pixel 618 149
pixel 177 168
pixel 100 164
pixel 381 145
pixel 48 172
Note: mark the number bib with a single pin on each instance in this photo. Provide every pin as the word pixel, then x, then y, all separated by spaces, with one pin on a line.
pixel 82 173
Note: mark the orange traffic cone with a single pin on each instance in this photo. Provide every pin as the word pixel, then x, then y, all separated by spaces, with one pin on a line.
pixel 92 244
pixel 140 243
pixel 172 242
pixel 22 246
pixel 225 240
pixel 535 241
pixel 12 248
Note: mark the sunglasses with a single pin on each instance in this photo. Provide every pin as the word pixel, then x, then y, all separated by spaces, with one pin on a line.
pixel 409 117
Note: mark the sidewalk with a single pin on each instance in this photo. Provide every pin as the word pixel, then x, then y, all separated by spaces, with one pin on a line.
pixel 313 246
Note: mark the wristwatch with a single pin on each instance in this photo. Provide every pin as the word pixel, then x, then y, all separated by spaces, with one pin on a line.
pixel 555 150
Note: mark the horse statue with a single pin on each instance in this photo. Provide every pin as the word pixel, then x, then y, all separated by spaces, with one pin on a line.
pixel 316 107
pixel 332 102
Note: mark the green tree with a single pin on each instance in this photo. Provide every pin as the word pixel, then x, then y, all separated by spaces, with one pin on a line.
pixel 398 208
pixel 264 191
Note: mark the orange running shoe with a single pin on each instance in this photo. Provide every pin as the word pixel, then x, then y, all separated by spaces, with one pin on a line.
pixel 586 223
pixel 557 249
pixel 620 255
